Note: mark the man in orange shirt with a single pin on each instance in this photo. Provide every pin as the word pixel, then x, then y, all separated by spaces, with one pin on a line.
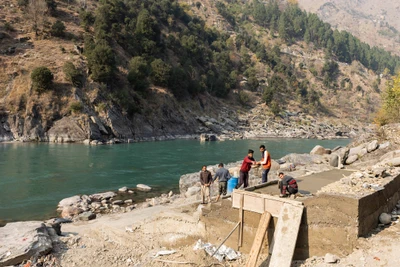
pixel 265 162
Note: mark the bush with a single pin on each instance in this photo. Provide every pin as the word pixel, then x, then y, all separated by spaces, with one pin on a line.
pixel 101 61
pixel 160 72
pixel 8 27
pixel 72 74
pixel 76 107
pixel 243 98
pixel 23 3
pixel 42 79
pixel 138 72
pixel 275 108
pixel 58 29
pixel 87 19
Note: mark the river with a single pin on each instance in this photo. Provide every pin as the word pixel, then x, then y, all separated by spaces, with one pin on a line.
pixel 34 177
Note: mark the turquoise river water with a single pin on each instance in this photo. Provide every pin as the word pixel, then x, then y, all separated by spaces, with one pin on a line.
pixel 35 177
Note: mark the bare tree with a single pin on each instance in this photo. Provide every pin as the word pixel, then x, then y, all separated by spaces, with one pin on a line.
pixel 37 10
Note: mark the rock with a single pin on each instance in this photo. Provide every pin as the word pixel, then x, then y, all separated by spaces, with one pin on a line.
pixel 128 201
pixel 70 201
pixel 87 216
pixel 192 191
pixel 318 150
pixel 86 142
pixel 123 189
pixel 170 194
pixel 101 196
pixel 69 212
pixel 385 218
pixel 384 145
pixel 372 146
pixel 118 202
pixel 22 240
pixel 334 160
pixel 336 148
pixel 395 162
pixel 213 138
pixel 330 258
pixel 351 159
pixel 356 150
pixel 143 187
pixel 204 137
pixel 130 192
pixel 95 205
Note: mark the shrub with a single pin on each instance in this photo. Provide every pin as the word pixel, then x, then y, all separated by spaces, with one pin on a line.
pixel 101 61
pixel 76 107
pixel 275 108
pixel 138 73
pixel 42 79
pixel 160 72
pixel 72 74
pixel 87 19
pixel 23 3
pixel 243 98
pixel 58 29
pixel 8 27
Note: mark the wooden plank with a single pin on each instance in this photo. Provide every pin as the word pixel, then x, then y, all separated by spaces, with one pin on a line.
pixel 240 240
pixel 259 239
pixel 285 236
pixel 260 203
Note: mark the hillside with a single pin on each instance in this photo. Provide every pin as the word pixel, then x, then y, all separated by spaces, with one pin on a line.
pixel 374 22
pixel 145 69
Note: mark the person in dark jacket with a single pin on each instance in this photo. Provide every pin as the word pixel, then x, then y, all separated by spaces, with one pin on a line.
pixel 223 176
pixel 248 161
pixel 205 180
pixel 287 185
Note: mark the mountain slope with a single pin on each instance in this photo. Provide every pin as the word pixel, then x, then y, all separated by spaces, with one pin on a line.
pixel 158 68
pixel 374 22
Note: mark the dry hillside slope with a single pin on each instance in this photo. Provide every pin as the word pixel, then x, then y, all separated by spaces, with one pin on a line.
pixel 374 22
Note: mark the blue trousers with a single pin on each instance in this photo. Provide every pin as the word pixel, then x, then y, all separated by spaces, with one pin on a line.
pixel 264 176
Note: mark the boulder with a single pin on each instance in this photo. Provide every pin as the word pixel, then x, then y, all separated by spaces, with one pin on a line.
pixel 87 216
pixel 363 152
pixel 123 189
pixel 356 150
pixel 372 146
pixel 128 201
pixel 385 218
pixel 395 162
pixel 191 191
pixel 330 258
pixel 69 201
pixel 101 196
pixel 118 202
pixel 336 148
pixel 143 187
pixel 334 160
pixel 71 211
pixel 384 145
pixel 22 240
pixel 351 159
pixel 318 150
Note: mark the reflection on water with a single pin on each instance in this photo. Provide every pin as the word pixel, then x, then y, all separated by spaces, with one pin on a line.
pixel 35 177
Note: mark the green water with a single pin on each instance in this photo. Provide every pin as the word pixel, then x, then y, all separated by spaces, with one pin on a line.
pixel 35 177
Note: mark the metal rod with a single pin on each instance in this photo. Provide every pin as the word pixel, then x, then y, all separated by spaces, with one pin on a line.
pixel 226 239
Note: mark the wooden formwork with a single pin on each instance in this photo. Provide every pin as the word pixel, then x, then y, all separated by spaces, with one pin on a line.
pixel 288 212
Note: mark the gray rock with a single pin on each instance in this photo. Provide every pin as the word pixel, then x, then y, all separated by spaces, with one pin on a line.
pixel 101 196
pixel 170 194
pixel 394 162
pixel 334 160
pixel 87 216
pixel 385 218
pixel 95 205
pixel 123 189
pixel 336 148
pixel 192 191
pixel 384 145
pixel 143 187
pixel 70 201
pixel 318 150
pixel 118 202
pixel 128 201
pixel 372 146
pixel 330 258
pixel 130 192
pixel 356 150
pixel 351 159
pixel 22 240
pixel 363 152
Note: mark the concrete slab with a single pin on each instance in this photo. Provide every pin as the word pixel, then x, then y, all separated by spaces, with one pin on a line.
pixel 309 184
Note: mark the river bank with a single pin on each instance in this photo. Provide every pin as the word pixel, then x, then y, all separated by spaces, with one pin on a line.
pixel 112 239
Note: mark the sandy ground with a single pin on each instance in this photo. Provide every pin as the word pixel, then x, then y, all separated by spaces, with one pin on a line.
pixel 134 238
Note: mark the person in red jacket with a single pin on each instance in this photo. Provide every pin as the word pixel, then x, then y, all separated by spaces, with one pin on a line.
pixel 244 170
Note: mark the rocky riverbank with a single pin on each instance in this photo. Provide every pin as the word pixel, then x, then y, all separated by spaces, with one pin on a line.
pixel 378 159
pixel 225 125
